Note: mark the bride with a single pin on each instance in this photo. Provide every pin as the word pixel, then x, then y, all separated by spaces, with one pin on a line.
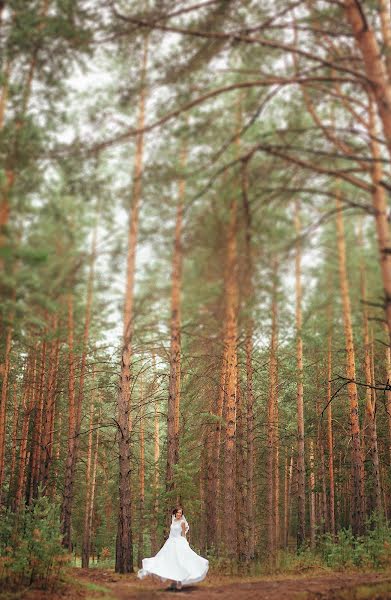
pixel 176 561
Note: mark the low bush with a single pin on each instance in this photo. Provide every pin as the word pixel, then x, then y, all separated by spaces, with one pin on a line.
pixel 30 545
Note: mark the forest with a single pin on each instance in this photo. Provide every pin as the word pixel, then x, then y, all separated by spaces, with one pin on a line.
pixel 195 281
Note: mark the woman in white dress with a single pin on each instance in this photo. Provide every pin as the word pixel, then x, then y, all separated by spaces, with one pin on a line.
pixel 176 561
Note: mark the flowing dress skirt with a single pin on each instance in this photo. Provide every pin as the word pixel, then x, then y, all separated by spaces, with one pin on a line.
pixel 176 561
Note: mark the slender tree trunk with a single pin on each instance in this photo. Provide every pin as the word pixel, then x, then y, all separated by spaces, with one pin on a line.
pixel 231 318
pixel 3 406
pixel 330 443
pixel 175 347
pixel 388 391
pixel 140 548
pixel 15 427
pixel 369 404
pixel 271 428
pixel 156 455
pixel 27 408
pixel 66 511
pixel 93 480
pixel 241 477
pixel 288 489
pixel 38 427
pixel 249 366
pixel 300 398
pixel 124 551
pixel 213 524
pixel 357 504
pixel 312 496
pixel 47 443
pixel 85 556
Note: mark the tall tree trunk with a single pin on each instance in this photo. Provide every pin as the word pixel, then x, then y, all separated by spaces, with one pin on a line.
pixel 231 320
pixel 374 65
pixel 330 444
pixel 379 203
pixel 241 477
pixel 85 556
pixel 213 523
pixel 47 442
pixel 312 496
pixel 3 406
pixel 249 366
pixel 27 408
pixel 124 551
pixel 66 510
pixel 369 404
pixel 287 495
pixel 388 391
pixel 300 397
pixel 140 548
pixel 357 503
pixel 38 426
pixel 175 347
pixel 156 455
pixel 271 428
pixel 15 428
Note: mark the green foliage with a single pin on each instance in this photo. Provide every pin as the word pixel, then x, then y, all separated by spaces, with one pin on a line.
pixel 370 551
pixel 30 545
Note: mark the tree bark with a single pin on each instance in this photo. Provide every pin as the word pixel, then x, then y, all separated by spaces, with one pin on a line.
pixel 175 345
pixel 300 399
pixel 124 551
pixel 231 318
pixel 374 65
pixel 330 443
pixel 271 428
pixel 312 497
pixel 357 504
pixel 85 556
pixel 66 511
pixel 140 553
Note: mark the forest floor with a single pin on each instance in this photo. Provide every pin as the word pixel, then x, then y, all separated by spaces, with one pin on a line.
pixel 99 584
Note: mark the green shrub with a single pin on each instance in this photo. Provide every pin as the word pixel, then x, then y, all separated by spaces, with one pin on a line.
pixel 372 550
pixel 30 545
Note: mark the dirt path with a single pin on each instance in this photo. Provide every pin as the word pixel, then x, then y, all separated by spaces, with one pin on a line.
pixel 338 586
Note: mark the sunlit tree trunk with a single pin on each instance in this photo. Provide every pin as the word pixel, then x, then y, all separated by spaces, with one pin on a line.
pixel 379 203
pixel 374 64
pixel 124 551
pixel 231 318
pixel 369 395
pixel 357 500
pixel 300 397
pixel 213 523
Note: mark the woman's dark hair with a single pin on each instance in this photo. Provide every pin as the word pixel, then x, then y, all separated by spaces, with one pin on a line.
pixel 174 512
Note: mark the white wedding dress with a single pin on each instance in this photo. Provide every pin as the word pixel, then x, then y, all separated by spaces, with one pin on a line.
pixel 176 560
